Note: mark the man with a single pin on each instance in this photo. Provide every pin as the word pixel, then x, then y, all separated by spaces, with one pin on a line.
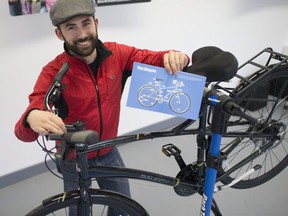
pixel 93 86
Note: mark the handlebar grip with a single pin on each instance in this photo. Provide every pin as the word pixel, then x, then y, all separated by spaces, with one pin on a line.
pixel 87 137
pixel 63 70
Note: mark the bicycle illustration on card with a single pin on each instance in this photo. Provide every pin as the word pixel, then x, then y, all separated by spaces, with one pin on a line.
pixel 156 92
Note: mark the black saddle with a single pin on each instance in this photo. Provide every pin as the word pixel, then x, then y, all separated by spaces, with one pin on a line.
pixel 213 63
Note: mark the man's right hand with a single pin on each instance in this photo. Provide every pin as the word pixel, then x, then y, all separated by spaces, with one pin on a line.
pixel 45 122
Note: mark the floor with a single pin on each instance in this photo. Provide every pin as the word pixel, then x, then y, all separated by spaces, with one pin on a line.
pixel 265 200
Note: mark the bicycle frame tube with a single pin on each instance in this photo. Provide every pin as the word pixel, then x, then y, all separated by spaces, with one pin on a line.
pixel 123 172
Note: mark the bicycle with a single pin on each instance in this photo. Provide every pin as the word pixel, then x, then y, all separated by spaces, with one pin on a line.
pixel 150 94
pixel 241 116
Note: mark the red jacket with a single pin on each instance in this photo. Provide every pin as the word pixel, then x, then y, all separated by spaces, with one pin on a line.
pixel 95 101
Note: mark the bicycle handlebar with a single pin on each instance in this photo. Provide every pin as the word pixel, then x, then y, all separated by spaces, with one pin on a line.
pixel 55 89
pixel 63 70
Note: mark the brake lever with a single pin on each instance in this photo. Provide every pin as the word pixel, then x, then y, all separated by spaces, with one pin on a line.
pixel 55 90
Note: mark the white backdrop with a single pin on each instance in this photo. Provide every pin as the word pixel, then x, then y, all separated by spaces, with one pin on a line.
pixel 28 43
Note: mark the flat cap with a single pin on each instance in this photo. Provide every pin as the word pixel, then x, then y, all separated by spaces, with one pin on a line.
pixel 64 10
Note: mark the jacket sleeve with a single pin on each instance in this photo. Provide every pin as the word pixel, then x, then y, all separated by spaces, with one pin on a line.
pixel 22 130
pixel 131 54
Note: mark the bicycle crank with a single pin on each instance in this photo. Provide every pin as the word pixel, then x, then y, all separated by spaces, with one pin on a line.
pixel 187 174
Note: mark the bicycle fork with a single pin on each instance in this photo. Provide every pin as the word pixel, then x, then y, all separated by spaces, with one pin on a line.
pixel 83 208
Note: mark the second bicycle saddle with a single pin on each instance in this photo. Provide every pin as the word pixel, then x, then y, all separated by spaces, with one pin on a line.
pixel 213 63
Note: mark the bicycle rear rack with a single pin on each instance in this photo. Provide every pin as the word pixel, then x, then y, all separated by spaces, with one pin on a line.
pixel 271 60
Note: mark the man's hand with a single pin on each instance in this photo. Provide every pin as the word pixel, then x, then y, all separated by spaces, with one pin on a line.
pixel 175 61
pixel 45 122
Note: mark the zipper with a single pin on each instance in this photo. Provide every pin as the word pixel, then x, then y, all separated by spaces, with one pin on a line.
pixel 98 102
pixel 100 110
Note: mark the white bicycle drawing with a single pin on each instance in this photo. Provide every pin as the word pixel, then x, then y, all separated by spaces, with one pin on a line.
pixel 149 94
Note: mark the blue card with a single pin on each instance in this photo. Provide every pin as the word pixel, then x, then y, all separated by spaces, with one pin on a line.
pixel 153 89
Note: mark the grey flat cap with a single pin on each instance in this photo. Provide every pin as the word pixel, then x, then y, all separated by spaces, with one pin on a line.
pixel 63 10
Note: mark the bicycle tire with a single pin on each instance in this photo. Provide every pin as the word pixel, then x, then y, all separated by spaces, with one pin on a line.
pixel 176 99
pixel 273 158
pixel 59 204
pixel 148 96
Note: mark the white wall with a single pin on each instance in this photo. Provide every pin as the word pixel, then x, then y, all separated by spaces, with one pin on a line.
pixel 28 42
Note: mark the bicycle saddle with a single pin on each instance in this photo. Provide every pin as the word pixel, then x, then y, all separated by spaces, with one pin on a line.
pixel 213 63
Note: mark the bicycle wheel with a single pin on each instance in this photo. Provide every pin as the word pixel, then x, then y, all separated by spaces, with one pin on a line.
pixel 267 102
pixel 101 200
pixel 148 96
pixel 179 102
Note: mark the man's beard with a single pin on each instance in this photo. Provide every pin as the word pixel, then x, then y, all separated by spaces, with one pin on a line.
pixel 83 52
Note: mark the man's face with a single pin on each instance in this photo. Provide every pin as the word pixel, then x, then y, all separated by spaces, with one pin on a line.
pixel 80 35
